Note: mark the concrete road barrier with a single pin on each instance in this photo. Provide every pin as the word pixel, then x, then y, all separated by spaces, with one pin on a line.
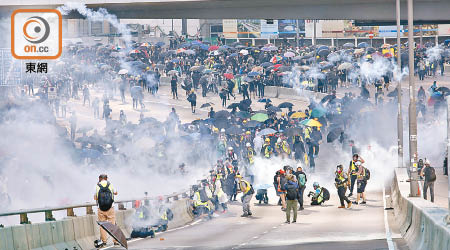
pixel 19 236
pixel 6 239
pixel 422 223
pixel 182 213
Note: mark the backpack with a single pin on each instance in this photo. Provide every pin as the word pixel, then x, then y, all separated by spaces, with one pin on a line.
pixel 203 196
pixel 366 174
pixel 430 175
pixel 292 193
pixel 326 194
pixel 105 197
pixel 301 180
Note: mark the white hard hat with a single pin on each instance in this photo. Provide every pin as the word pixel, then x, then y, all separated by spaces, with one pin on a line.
pixel 279 140
pixel 248 144
pixel 222 130
pixel 230 148
pixel 357 163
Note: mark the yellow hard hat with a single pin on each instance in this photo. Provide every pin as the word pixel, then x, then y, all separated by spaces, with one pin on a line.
pixel 267 140
pixel 283 114
pixel 248 133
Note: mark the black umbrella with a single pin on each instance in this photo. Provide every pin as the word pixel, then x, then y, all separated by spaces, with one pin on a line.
pixel 115 232
pixel 265 100
pixel 370 50
pixel 246 102
pixel 334 134
pixel 285 105
pixel 221 123
pixel 293 132
pixel 252 124
pixel 222 114
pixel 234 130
pixel 233 105
pixel 323 52
pixel 327 98
pixel 348 45
pixel 266 64
pixel 273 109
pixel 206 105
pixel 243 115
pixel 443 89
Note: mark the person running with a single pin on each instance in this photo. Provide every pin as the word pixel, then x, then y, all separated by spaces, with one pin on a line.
pixel 104 196
pixel 429 174
pixel 281 192
pixel 292 194
pixel 192 98
pixel 341 180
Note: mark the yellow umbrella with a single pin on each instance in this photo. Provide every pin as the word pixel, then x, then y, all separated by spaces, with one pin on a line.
pixel 297 115
pixel 311 123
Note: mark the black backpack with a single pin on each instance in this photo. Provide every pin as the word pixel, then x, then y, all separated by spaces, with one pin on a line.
pixel 367 174
pixel 105 197
pixel 430 175
pixel 203 195
pixel 292 193
pixel 326 194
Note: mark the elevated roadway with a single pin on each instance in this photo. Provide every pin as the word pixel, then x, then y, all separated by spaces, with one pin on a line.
pixel 376 10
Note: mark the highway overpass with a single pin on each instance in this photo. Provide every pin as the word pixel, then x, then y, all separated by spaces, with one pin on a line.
pixel 378 10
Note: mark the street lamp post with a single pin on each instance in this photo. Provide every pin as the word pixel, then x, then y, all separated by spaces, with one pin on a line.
pixel 414 185
pixel 399 91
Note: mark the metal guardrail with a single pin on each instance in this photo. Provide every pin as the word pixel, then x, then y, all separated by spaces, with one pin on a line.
pixel 89 207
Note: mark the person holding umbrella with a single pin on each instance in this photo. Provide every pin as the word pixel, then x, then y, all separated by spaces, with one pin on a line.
pixel 173 87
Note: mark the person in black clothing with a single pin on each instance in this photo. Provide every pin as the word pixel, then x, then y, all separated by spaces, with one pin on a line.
pixel 244 89
pixel 301 179
pixel 223 96
pixel 173 86
pixel 230 86
pixel 211 113
pixel 192 98
pixel 299 149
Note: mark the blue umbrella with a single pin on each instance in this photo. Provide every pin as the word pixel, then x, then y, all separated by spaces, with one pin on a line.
pixel 265 100
pixel 196 43
pixel 204 47
pixel 363 45
pixel 253 74
pixel 160 44
pixel 234 55
pixel 176 60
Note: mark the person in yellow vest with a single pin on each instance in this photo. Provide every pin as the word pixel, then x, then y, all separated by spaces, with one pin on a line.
pixel 104 196
pixel 201 205
pixel 353 171
pixel 278 149
pixel 341 180
pixel 250 162
pixel 285 150
pixel 247 191
pixel 266 149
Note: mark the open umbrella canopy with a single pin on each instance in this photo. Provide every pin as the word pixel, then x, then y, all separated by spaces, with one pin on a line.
pixel 334 134
pixel 206 105
pixel 264 100
pixel 285 105
pixel 273 109
pixel 222 114
pixel 266 64
pixel 311 123
pixel 228 76
pixel 293 132
pixel 267 131
pixel 252 124
pixel 122 72
pixel 345 66
pixel 197 68
pixel 260 117
pixel 298 115
pixel 243 115
pixel 234 130
pixel 289 54
pixel 213 47
pixel 443 89
pixel 363 45
pixel 253 74
pixel 323 52
pixel 348 45
pixel 318 112
pixel 115 232
pixel 233 105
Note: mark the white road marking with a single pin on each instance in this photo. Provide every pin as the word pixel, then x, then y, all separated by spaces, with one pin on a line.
pixel 386 224
pixel 171 230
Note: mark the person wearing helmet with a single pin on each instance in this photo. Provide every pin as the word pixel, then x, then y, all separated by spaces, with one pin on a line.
pixel 231 156
pixel 341 181
pixel 247 191
pixel 317 195
pixel 250 158
pixel 429 174
pixel 285 150
pixel 353 170
pixel 266 149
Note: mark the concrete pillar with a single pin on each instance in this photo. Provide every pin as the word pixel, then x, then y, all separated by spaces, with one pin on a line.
pixel 332 42
pixel 384 40
pixel 356 42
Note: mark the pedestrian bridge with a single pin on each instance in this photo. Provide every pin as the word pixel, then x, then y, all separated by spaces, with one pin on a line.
pixel 377 10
